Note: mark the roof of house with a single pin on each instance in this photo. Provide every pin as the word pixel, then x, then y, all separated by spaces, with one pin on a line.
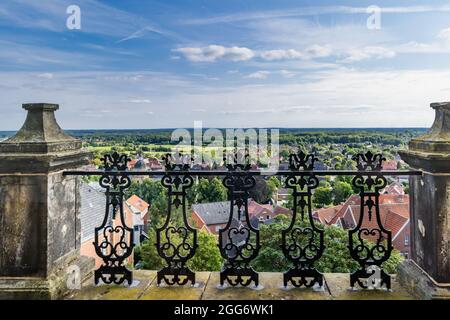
pixel 284 191
pixel 394 213
pixel 394 188
pixel 92 210
pixel 281 210
pixel 137 203
pixel 140 164
pixel 389 165
pixel 325 215
pixel 96 186
pixel 218 212
pixel 214 212
pixel 131 163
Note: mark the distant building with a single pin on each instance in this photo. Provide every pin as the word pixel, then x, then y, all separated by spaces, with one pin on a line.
pixel 282 196
pixel 138 209
pixel 394 215
pixel 214 216
pixel 394 188
pixel 143 164
pixel 92 214
pixel 389 165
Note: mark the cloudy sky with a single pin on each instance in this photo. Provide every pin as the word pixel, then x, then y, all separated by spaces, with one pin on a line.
pixel 233 63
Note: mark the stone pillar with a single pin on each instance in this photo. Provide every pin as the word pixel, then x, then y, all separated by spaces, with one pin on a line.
pixel 39 213
pixel 427 273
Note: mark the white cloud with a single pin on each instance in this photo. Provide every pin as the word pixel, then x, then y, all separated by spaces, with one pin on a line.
pixel 146 101
pixel 335 98
pixel 258 75
pixel 444 34
pixel 365 53
pixel 287 74
pixel 46 75
pixel 281 54
pixel 440 45
pixel 310 11
pixel 141 32
pixel 97 18
pixel 213 53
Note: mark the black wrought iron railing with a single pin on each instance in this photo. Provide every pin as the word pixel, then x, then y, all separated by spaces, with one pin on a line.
pixel 239 243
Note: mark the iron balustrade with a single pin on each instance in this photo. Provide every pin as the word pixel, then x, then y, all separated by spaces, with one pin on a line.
pixel 239 242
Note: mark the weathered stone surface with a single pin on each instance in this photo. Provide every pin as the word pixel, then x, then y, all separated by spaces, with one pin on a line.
pixel 22 220
pixel 89 291
pixel 271 289
pixel 39 220
pixel 41 146
pixel 40 133
pixel 187 292
pixel 419 283
pixel 437 139
pixel 430 201
pixel 338 283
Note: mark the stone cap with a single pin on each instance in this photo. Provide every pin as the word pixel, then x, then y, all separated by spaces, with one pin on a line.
pixel 437 139
pixel 40 134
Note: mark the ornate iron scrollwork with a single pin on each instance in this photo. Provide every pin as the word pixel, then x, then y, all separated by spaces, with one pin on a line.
pixel 113 240
pixel 370 245
pixel 302 246
pixel 176 252
pixel 239 239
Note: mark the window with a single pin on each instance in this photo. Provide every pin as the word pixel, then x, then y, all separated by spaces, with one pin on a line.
pixel 406 240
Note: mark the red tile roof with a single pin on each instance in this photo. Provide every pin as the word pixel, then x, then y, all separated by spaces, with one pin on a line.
pixel 389 165
pixel 394 188
pixel 394 213
pixel 325 215
pixel 138 203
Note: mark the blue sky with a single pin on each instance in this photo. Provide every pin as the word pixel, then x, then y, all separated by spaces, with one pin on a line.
pixel 156 64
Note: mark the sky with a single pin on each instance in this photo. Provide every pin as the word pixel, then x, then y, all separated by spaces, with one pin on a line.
pixel 165 64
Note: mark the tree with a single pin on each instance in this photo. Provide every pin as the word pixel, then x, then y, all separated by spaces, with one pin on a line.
pixel 148 253
pixel 261 193
pixel 323 196
pixel 210 190
pixel 270 257
pixel 153 192
pixel 273 183
pixel 207 256
pixel 341 192
pixel 335 258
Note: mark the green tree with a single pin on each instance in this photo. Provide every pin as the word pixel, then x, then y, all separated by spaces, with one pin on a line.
pixel 208 190
pixel 155 195
pixel 341 192
pixel 273 183
pixel 207 256
pixel 261 193
pixel 149 255
pixel 323 196
pixel 336 256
